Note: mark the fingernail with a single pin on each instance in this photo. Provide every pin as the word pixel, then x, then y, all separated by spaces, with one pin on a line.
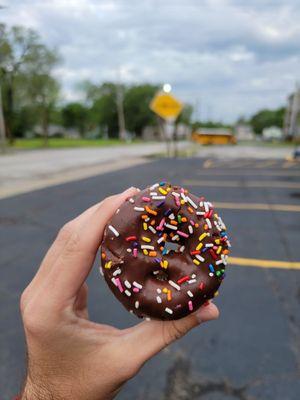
pixel 199 317
pixel 204 314
pixel 135 188
pixel 129 189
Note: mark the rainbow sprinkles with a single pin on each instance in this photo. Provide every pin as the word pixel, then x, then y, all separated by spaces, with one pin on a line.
pixel 164 252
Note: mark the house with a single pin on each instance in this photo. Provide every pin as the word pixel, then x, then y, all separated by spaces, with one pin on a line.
pixel 244 131
pixel 272 133
pixel 292 117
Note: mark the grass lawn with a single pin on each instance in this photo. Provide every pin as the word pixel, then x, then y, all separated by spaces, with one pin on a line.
pixel 56 143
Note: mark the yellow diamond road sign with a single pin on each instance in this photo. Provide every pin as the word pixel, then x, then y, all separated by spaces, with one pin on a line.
pixel 166 106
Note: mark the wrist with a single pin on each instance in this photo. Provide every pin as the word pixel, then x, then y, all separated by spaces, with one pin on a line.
pixel 33 391
pixel 42 389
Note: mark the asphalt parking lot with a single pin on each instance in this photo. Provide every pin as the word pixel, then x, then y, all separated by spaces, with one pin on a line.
pixel 253 351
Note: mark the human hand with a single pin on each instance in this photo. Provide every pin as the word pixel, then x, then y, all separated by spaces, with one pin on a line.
pixel 69 356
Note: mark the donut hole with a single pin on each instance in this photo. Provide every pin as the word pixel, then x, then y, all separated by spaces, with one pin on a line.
pixel 172 246
pixel 160 275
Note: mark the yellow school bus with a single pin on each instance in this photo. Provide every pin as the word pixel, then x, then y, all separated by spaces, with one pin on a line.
pixel 211 136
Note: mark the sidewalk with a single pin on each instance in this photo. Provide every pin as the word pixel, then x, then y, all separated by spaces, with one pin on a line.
pixel 25 171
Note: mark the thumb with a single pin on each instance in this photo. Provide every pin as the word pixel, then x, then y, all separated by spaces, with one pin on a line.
pixel 149 337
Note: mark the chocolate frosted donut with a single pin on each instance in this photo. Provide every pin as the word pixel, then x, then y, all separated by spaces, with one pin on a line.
pixel 164 252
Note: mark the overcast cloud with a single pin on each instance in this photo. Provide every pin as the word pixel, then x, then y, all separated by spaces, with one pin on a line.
pixel 231 57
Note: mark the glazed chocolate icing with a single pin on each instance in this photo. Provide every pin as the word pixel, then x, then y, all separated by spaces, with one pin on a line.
pixel 174 277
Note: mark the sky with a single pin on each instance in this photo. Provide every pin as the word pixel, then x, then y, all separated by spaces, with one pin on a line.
pixel 228 58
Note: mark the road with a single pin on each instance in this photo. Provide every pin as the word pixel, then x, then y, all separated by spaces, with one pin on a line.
pixel 253 351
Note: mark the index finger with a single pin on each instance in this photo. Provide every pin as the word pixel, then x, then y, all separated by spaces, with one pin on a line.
pixel 56 249
pixel 72 267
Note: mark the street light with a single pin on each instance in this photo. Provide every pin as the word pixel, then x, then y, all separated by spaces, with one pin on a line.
pixel 167 88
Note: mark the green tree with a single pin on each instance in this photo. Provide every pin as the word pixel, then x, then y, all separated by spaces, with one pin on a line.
pixel 75 115
pixel 25 118
pixel 43 92
pixel 266 118
pixel 102 100
pixel 136 106
pixel 22 58
pixel 210 124
pixel 185 115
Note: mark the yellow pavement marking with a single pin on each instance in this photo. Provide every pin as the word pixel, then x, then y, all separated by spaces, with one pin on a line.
pixel 252 262
pixel 233 164
pixel 252 173
pixel 237 164
pixel 269 184
pixel 258 206
pixel 208 163
pixel 264 164
pixel 214 163
pixel 290 164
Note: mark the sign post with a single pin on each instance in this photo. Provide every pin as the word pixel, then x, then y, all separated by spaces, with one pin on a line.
pixel 167 108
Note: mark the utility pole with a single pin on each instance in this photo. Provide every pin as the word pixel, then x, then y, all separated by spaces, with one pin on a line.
pixel 120 105
pixel 2 124
pixel 162 131
pixel 295 110
pixel 120 109
pixel 2 127
pixel 197 113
